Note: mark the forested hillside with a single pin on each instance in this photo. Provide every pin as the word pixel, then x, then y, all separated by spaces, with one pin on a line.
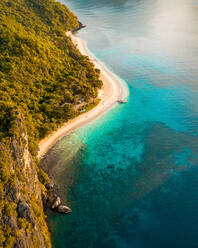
pixel 42 78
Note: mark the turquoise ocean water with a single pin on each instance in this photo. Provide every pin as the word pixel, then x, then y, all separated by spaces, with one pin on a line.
pixel 131 176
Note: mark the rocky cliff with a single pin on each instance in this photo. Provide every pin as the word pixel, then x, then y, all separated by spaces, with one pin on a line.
pixel 22 219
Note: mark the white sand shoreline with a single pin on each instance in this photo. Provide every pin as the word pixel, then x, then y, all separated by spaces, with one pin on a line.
pixel 112 90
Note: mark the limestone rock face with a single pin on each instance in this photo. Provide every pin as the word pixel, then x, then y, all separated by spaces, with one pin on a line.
pixel 22 211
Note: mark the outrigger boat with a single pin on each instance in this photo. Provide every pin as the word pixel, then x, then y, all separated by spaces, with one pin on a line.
pixel 122 101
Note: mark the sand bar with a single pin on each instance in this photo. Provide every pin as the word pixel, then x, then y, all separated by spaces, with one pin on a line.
pixel 111 91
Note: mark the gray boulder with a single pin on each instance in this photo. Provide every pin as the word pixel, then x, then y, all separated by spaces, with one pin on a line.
pixel 57 202
pixel 64 209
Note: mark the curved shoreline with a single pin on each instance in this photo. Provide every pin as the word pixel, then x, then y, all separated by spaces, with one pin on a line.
pixel 111 91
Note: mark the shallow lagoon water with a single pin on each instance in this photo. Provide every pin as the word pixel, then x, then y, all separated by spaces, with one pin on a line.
pixel 131 176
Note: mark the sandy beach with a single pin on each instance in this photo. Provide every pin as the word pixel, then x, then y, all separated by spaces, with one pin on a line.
pixel 111 91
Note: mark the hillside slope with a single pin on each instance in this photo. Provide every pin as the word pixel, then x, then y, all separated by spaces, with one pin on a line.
pixel 42 79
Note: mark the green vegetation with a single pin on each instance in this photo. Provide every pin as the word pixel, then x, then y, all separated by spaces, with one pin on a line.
pixel 43 77
pixel 41 71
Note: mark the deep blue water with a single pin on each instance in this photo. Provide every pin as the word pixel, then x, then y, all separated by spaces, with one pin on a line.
pixel 131 177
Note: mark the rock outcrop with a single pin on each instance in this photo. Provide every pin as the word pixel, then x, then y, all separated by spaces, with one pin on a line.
pixel 80 26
